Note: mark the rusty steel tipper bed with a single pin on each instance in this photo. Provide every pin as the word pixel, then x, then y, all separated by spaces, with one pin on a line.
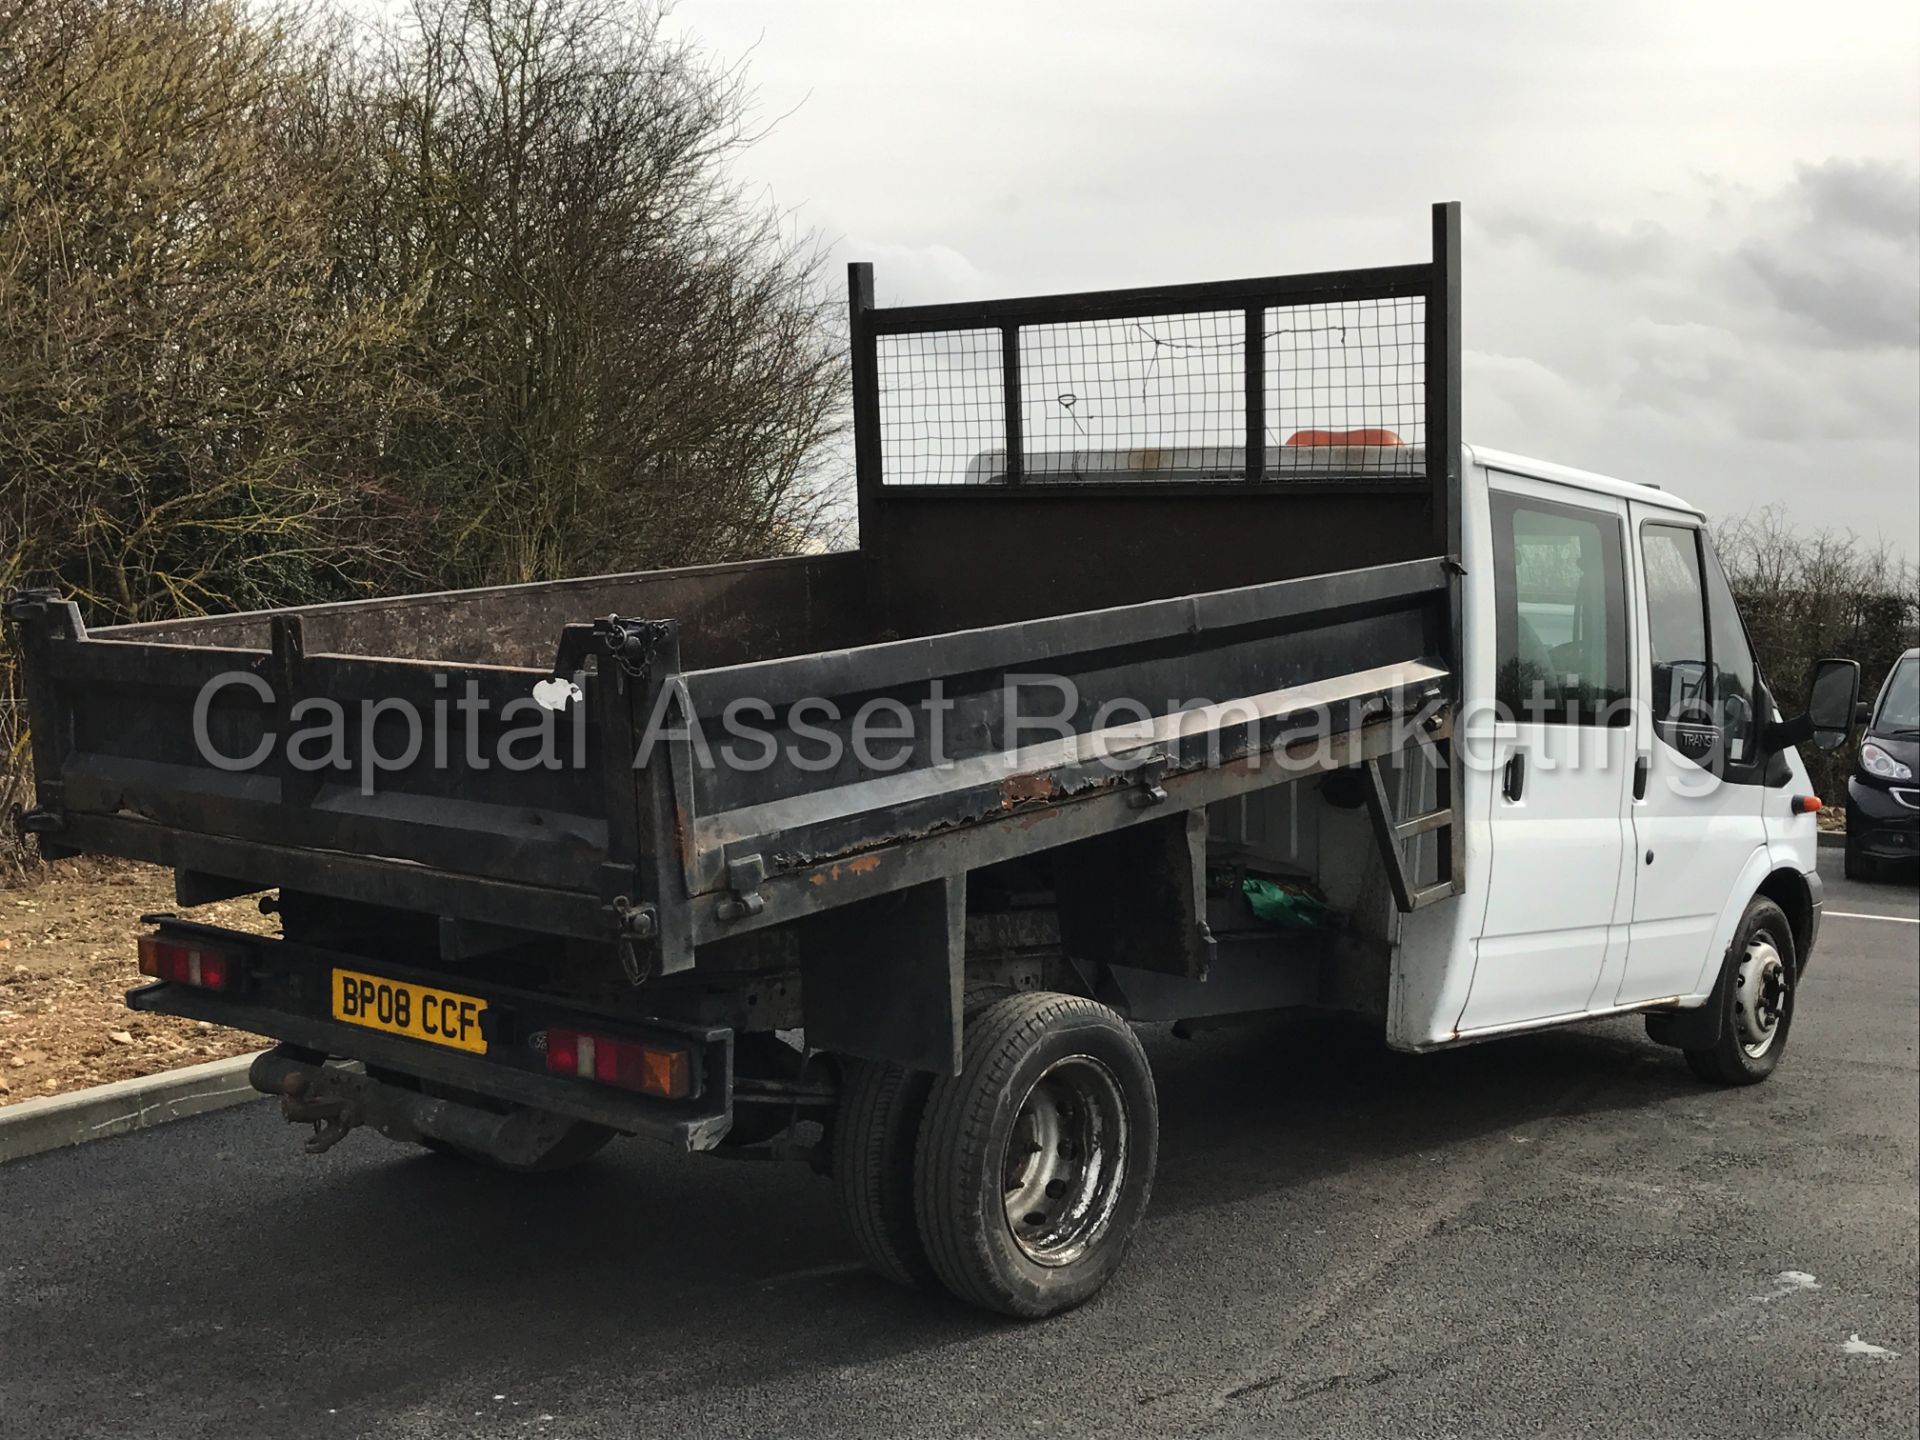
pixel 1230 506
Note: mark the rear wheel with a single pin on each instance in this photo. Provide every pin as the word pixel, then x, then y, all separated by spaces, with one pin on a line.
pixel 1035 1163
pixel 874 1130
pixel 1757 993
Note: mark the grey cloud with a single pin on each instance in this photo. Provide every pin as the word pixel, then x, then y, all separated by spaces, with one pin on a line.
pixel 1844 303
pixel 1832 258
pixel 1837 251
pixel 1730 343
pixel 1870 195
pixel 1587 247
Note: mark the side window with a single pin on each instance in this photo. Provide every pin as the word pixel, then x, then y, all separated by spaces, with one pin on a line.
pixel 1560 618
pixel 1677 637
pixel 1736 680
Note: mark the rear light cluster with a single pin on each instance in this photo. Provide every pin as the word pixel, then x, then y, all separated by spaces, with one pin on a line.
pixel 631 1064
pixel 188 962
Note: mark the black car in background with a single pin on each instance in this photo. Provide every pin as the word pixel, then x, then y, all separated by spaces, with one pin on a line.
pixel 1883 795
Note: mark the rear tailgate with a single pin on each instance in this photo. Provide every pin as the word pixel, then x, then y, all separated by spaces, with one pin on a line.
pixel 186 756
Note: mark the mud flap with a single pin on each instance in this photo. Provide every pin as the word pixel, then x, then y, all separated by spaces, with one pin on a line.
pixel 1138 897
pixel 1696 1029
pixel 882 979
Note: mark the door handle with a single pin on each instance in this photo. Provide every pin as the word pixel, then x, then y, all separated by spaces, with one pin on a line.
pixel 1515 783
pixel 1640 777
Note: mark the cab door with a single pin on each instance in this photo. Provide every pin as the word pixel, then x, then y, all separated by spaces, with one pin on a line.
pixel 1696 803
pixel 1562 754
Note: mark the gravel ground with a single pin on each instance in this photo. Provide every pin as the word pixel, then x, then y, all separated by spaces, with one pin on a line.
pixel 66 964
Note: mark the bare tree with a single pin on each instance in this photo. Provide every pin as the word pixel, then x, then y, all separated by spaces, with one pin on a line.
pixel 185 421
pixel 640 362
pixel 291 311
pixel 1805 595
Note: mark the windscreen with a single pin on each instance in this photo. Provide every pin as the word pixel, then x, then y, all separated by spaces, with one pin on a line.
pixel 1900 704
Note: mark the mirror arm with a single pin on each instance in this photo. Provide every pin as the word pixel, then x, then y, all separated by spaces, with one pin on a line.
pixel 1777 735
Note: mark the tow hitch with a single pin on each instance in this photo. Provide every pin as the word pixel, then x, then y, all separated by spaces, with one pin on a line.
pixel 330 1115
pixel 334 1101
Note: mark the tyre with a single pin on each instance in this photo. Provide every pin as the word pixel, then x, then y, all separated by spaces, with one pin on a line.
pixel 1860 865
pixel 874 1130
pixel 1036 1161
pixel 1757 990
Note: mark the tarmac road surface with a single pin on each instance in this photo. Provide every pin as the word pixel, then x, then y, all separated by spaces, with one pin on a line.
pixel 1563 1235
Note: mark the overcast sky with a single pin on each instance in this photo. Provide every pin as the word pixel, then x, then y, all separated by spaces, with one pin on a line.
pixel 1692 230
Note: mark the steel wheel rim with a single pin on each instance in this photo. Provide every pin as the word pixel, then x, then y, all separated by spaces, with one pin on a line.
pixel 1065 1160
pixel 1761 988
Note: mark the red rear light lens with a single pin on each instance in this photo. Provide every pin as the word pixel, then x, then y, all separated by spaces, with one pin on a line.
pixel 188 962
pixel 563 1052
pixel 661 1070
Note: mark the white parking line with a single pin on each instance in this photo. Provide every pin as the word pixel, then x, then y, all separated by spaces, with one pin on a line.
pixel 1865 915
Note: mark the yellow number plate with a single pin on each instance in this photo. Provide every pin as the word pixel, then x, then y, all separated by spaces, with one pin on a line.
pixel 439 1017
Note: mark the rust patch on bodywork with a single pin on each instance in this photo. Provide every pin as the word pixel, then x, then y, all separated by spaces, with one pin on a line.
pixel 859 865
pixel 1018 790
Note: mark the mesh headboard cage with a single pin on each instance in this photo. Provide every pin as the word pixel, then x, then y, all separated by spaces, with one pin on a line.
pixel 1026 457
pixel 1343 377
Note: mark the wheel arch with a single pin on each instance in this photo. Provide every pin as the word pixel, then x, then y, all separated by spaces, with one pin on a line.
pixel 1751 882
pixel 1700 1024
pixel 1788 889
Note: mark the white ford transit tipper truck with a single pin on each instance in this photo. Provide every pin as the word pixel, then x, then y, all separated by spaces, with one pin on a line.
pixel 1190 666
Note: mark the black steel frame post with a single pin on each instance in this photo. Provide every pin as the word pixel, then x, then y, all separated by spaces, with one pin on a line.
pixel 864 373
pixel 662 806
pixel 642 886
pixel 1256 393
pixel 1010 393
pixel 1443 470
pixel 41 619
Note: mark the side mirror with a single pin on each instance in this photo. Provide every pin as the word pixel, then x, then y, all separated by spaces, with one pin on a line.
pixel 1833 702
pixel 1833 699
pixel 1863 714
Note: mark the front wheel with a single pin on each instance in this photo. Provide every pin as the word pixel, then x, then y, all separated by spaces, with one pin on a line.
pixel 1035 1162
pixel 1757 991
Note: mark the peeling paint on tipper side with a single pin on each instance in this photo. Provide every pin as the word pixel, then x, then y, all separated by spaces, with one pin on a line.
pixel 797 884
pixel 1018 790
pixel 859 865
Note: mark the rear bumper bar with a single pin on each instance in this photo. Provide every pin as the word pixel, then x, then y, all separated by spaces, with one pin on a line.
pixel 285 994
